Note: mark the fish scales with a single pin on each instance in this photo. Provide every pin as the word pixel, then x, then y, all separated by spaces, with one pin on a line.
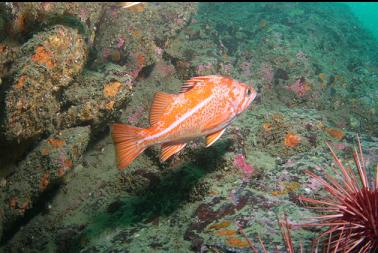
pixel 205 106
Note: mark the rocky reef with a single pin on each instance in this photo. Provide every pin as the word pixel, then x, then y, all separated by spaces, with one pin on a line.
pixel 48 64
pixel 39 172
pixel 133 40
pixel 68 70
pixel 285 50
pixel 27 18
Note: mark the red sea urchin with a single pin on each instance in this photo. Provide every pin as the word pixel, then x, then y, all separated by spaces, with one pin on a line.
pixel 350 210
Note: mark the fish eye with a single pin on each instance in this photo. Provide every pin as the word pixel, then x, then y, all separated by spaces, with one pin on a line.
pixel 249 92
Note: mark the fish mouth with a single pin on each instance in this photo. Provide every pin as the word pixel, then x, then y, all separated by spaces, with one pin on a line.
pixel 253 96
pixel 248 102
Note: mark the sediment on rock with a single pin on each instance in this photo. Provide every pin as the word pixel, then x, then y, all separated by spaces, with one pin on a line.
pixel 27 18
pixel 49 62
pixel 40 172
pixel 95 98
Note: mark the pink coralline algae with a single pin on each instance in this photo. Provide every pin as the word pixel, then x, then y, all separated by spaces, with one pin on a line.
pixel 164 69
pixel 246 69
pixel 134 74
pixel 180 21
pixel 234 197
pixel 105 53
pixel 313 184
pixel 46 6
pixel 114 12
pixel 288 164
pixel 159 51
pixel 300 87
pixel 203 67
pixel 134 118
pixel 83 14
pixel 227 68
pixel 339 146
pixel 121 42
pixel 241 164
pixel 266 72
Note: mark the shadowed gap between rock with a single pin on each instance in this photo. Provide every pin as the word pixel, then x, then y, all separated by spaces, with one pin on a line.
pixel 39 206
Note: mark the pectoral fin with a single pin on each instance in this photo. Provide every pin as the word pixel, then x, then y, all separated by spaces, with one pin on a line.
pixel 169 149
pixel 211 138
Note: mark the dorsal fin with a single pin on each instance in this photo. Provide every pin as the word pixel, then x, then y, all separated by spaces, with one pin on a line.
pixel 193 82
pixel 160 102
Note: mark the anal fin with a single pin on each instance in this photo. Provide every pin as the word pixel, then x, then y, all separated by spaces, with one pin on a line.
pixel 211 138
pixel 169 149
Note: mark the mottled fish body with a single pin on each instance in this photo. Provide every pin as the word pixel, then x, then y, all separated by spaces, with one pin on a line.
pixel 205 106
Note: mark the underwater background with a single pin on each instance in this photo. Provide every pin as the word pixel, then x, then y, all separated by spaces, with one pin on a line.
pixel 70 70
pixel 366 14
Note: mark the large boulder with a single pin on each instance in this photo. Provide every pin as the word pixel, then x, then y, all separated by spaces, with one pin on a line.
pixel 48 63
pixel 135 38
pixel 42 170
pixel 95 98
pixel 27 18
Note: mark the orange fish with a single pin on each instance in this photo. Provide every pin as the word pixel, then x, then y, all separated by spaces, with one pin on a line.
pixel 125 5
pixel 205 106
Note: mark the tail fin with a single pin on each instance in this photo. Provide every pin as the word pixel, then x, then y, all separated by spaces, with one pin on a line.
pixel 126 139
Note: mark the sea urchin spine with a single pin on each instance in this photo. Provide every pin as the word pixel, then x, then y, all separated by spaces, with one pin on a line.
pixel 351 209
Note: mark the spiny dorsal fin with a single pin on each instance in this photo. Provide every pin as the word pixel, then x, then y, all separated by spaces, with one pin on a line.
pixel 169 149
pixel 193 82
pixel 160 102
pixel 211 138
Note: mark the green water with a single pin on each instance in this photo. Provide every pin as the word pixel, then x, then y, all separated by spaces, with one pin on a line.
pixel 71 73
pixel 367 13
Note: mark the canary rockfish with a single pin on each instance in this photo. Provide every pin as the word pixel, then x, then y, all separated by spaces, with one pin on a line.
pixel 205 106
